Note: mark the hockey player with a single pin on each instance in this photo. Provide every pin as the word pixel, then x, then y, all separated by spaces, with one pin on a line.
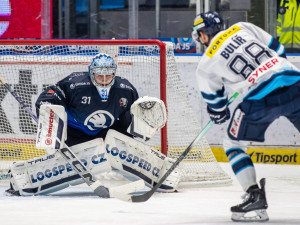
pixel 80 111
pixel 247 60
pixel 95 101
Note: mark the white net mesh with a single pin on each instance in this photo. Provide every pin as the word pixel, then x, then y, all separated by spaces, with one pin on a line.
pixel 29 69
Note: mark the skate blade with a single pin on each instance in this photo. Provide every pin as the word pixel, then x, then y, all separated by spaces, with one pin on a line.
pixel 253 216
pixel 11 192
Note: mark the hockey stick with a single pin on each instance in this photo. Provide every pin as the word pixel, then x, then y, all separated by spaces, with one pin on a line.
pixel 147 195
pixel 120 192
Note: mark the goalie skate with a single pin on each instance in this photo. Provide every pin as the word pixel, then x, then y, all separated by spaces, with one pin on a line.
pixel 12 191
pixel 253 209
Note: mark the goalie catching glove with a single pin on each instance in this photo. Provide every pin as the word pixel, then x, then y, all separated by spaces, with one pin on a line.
pixel 148 116
pixel 52 128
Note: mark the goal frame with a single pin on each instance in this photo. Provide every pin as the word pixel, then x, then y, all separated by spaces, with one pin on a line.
pixel 162 57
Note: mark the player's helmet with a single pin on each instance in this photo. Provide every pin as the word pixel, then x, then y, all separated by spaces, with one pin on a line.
pixel 105 65
pixel 210 23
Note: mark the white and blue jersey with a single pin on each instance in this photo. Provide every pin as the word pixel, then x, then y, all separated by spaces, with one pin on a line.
pixel 246 59
pixel 88 116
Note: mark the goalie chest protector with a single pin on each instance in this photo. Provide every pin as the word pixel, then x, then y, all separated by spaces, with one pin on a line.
pixel 85 108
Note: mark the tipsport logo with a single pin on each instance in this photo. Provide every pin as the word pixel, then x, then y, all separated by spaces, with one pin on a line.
pixel 261 157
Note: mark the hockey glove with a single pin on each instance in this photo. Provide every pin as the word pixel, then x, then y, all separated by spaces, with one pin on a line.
pixel 218 117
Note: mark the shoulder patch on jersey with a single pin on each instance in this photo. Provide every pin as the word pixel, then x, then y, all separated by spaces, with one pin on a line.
pixel 123 102
pixel 122 85
pixel 220 40
pixel 74 85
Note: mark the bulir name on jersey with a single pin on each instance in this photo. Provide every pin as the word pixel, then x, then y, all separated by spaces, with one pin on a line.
pixel 235 43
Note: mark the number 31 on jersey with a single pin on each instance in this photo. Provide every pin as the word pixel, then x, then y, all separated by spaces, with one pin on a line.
pixel 86 100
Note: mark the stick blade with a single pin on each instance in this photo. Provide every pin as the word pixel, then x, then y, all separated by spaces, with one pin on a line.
pixel 128 188
pixel 123 192
pixel 143 197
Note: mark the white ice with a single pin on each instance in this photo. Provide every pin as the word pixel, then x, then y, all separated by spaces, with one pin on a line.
pixel 190 206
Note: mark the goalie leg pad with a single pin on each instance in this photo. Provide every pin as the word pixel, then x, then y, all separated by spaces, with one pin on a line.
pixel 140 160
pixel 52 173
pixel 173 179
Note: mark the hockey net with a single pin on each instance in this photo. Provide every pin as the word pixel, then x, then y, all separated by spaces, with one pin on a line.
pixel 31 66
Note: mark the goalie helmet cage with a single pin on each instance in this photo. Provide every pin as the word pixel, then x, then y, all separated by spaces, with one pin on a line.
pixel 30 66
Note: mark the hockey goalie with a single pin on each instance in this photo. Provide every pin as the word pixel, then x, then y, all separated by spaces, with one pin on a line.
pixel 97 114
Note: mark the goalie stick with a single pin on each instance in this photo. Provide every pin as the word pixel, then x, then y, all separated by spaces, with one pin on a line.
pixel 120 192
pixel 144 197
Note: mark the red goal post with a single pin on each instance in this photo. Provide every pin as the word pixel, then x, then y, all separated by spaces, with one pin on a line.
pixel 160 44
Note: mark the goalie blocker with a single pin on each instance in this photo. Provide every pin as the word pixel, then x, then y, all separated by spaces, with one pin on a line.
pixel 51 173
pixel 52 128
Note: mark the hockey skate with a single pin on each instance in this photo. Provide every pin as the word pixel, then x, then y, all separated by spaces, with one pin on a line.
pixel 255 202
pixel 11 191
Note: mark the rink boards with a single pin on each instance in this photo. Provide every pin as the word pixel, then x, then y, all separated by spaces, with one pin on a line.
pixel 286 153
pixel 266 155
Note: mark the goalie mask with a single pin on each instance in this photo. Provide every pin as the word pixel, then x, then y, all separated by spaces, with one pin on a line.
pixel 210 23
pixel 102 71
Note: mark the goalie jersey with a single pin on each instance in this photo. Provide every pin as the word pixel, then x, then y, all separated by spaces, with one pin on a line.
pixel 245 59
pixel 88 116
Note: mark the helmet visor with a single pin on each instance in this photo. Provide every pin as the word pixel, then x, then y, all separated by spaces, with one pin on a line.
pixel 195 36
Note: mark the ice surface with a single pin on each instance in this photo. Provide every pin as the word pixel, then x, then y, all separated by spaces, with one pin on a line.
pixel 190 206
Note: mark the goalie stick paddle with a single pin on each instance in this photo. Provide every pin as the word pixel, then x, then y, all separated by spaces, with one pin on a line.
pixel 144 197
pixel 120 192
